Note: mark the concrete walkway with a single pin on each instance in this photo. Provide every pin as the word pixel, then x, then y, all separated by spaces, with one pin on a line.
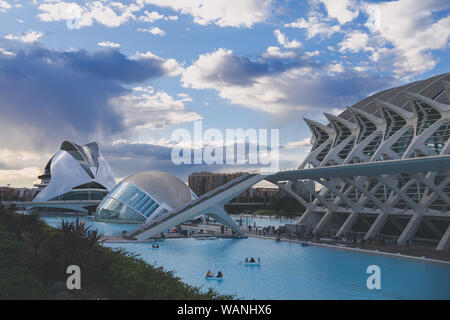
pixel 415 254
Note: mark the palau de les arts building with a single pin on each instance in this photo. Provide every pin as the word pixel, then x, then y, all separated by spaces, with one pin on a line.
pixel 75 173
pixel 405 122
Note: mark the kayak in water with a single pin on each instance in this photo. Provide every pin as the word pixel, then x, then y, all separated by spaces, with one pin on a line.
pixel 256 264
pixel 210 276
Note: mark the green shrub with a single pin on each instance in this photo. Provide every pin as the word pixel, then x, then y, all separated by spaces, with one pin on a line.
pixel 34 257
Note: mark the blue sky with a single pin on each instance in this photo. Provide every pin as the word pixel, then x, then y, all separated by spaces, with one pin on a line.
pixel 127 73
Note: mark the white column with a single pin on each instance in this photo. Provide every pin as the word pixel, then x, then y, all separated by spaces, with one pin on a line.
pixel 323 222
pixel 348 224
pixel 219 214
pixel 444 244
pixel 377 225
pixel 309 218
pixel 410 229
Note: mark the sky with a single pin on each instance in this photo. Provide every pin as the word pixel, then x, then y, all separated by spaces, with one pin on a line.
pixel 126 74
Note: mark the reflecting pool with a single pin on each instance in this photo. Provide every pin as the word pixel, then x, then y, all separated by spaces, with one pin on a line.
pixel 110 229
pixel 288 270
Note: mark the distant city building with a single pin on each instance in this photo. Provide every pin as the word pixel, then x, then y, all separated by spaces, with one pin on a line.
pixel 203 182
pixel 17 194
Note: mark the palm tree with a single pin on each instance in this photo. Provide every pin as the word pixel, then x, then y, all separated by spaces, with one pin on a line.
pixel 77 245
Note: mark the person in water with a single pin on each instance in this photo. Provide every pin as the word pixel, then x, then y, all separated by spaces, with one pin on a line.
pixel 252 260
pixel 209 274
pixel 259 260
pixel 219 274
pixel 246 259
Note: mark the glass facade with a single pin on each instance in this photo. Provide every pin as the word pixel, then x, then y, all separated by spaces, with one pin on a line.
pixel 81 195
pixel 126 203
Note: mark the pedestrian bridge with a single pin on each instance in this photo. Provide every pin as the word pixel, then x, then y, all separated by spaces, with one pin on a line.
pixel 76 205
pixel 212 203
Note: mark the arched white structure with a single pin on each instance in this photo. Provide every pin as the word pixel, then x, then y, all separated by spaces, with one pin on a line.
pixel 407 122
pixel 75 173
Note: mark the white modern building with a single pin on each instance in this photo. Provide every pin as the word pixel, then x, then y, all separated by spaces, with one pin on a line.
pixel 379 169
pixel 407 122
pixel 75 174
pixel 144 196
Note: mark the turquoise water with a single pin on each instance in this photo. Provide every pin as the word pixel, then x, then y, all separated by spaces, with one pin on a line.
pixel 110 229
pixel 288 270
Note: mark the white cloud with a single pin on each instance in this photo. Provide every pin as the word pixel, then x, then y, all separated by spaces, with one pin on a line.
pixel 151 16
pixel 224 13
pixel 342 10
pixel 146 108
pixel 108 44
pixel 298 144
pixel 4 6
pixel 413 29
pixel 21 167
pixel 155 31
pixel 19 178
pixel 27 37
pixel 354 42
pixel 275 52
pixel 314 26
pixel 6 52
pixel 310 54
pixel 170 66
pixel 297 88
pixel 111 14
pixel 337 68
pixel 185 97
pixel 283 40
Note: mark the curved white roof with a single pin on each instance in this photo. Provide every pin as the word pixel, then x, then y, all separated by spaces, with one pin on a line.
pixel 162 186
pixel 68 169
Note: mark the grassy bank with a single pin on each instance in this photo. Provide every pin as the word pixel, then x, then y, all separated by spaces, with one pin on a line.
pixel 34 258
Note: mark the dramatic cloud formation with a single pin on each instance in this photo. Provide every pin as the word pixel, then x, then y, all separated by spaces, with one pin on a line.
pixel 279 85
pixel 145 108
pixel 48 96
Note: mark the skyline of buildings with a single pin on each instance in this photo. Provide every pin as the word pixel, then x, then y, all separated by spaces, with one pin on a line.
pixel 245 64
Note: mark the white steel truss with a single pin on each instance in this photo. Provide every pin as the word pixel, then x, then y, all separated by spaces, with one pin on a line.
pixel 413 203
